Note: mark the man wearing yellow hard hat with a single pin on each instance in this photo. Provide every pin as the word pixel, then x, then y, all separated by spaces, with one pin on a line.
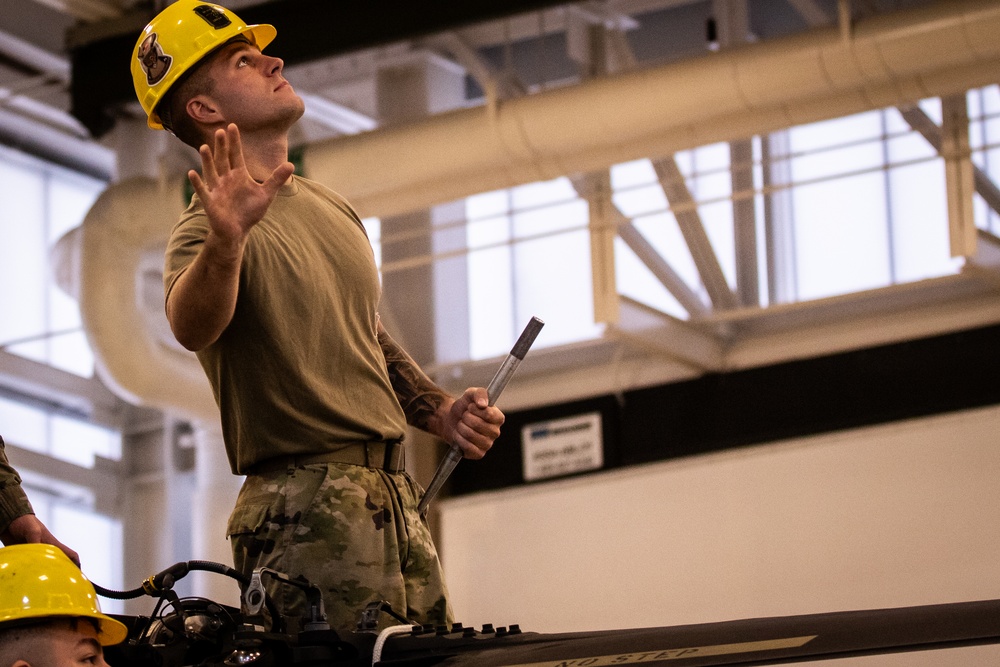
pixel 49 613
pixel 270 278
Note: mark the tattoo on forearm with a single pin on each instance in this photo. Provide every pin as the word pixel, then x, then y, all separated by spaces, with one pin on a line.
pixel 417 393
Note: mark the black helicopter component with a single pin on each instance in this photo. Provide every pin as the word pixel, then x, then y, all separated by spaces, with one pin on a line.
pixel 195 632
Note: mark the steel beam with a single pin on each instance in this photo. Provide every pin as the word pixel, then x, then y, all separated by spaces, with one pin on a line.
pixel 59 390
pixel 685 211
pixel 733 20
pixel 596 190
pixel 918 119
pixel 659 267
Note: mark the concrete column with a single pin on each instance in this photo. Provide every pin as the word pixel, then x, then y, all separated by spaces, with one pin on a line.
pixel 603 217
pixel 144 510
pixel 212 500
pixel 426 301
pixel 178 497
pixel 157 513
pixel 156 508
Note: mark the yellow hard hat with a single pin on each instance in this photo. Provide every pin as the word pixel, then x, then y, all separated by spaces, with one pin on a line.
pixel 176 40
pixel 38 582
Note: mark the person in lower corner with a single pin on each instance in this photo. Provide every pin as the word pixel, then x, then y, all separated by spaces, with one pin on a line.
pixel 49 613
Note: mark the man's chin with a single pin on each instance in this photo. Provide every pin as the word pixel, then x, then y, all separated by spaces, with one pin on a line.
pixel 290 115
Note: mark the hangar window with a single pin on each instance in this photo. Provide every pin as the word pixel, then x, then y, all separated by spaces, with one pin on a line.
pixel 838 207
pixel 38 319
pixel 984 139
pixel 53 449
pixel 73 494
pixel 529 250
pixel 63 437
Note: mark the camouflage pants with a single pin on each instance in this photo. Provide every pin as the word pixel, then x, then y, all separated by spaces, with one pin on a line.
pixel 353 531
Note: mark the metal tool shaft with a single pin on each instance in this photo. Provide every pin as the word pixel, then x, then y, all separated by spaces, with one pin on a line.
pixel 496 386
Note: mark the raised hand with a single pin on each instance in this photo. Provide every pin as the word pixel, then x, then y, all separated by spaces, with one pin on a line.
pixel 203 299
pixel 233 200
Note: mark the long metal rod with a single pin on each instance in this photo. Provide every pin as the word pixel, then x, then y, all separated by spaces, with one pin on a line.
pixel 493 391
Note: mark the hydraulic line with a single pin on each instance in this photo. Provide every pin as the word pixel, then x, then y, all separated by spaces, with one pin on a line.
pixel 158 584
pixel 164 580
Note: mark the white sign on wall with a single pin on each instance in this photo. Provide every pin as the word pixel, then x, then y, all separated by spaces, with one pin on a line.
pixel 562 446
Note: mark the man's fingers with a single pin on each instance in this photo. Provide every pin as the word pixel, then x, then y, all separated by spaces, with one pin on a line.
pixel 479 429
pixel 477 424
pixel 222 166
pixel 478 403
pixel 207 164
pixel 278 177
pixel 232 197
pixel 197 183
pixel 235 157
pixel 48 538
pixel 477 396
pixel 470 450
pixel 73 555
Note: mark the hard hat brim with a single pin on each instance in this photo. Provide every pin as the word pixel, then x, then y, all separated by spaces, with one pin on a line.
pixel 39 583
pixel 110 631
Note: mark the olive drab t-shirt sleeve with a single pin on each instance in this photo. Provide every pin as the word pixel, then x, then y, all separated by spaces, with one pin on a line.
pixel 13 502
pixel 186 242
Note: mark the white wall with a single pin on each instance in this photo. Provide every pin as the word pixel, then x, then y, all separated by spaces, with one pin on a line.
pixel 888 516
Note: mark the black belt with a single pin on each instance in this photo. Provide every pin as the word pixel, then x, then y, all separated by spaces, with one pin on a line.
pixel 385 455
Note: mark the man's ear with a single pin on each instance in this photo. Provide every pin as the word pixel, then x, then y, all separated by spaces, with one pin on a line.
pixel 203 109
pixel 21 663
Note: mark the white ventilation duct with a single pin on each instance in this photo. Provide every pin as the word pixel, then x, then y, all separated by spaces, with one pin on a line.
pixel 901 57
pixel 120 246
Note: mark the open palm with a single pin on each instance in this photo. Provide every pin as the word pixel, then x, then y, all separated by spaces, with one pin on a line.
pixel 233 200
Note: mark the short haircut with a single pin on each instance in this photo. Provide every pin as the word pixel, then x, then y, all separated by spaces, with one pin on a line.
pixel 172 109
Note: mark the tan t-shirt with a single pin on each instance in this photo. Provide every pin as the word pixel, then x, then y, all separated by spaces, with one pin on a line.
pixel 299 369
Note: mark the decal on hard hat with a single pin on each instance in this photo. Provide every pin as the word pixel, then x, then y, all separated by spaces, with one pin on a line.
pixel 213 16
pixel 155 63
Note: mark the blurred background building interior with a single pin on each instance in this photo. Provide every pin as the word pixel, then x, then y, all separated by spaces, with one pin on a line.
pixel 762 234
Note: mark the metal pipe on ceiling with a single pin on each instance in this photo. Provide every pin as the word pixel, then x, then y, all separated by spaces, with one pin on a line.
pixel 939 50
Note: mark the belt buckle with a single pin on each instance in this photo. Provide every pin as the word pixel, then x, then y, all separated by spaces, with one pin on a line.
pixel 390 461
pixel 375 454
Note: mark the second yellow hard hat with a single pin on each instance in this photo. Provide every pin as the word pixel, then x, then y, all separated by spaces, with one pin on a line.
pixel 38 581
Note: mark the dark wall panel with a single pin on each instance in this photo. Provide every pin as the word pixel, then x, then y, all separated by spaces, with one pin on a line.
pixel 800 398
